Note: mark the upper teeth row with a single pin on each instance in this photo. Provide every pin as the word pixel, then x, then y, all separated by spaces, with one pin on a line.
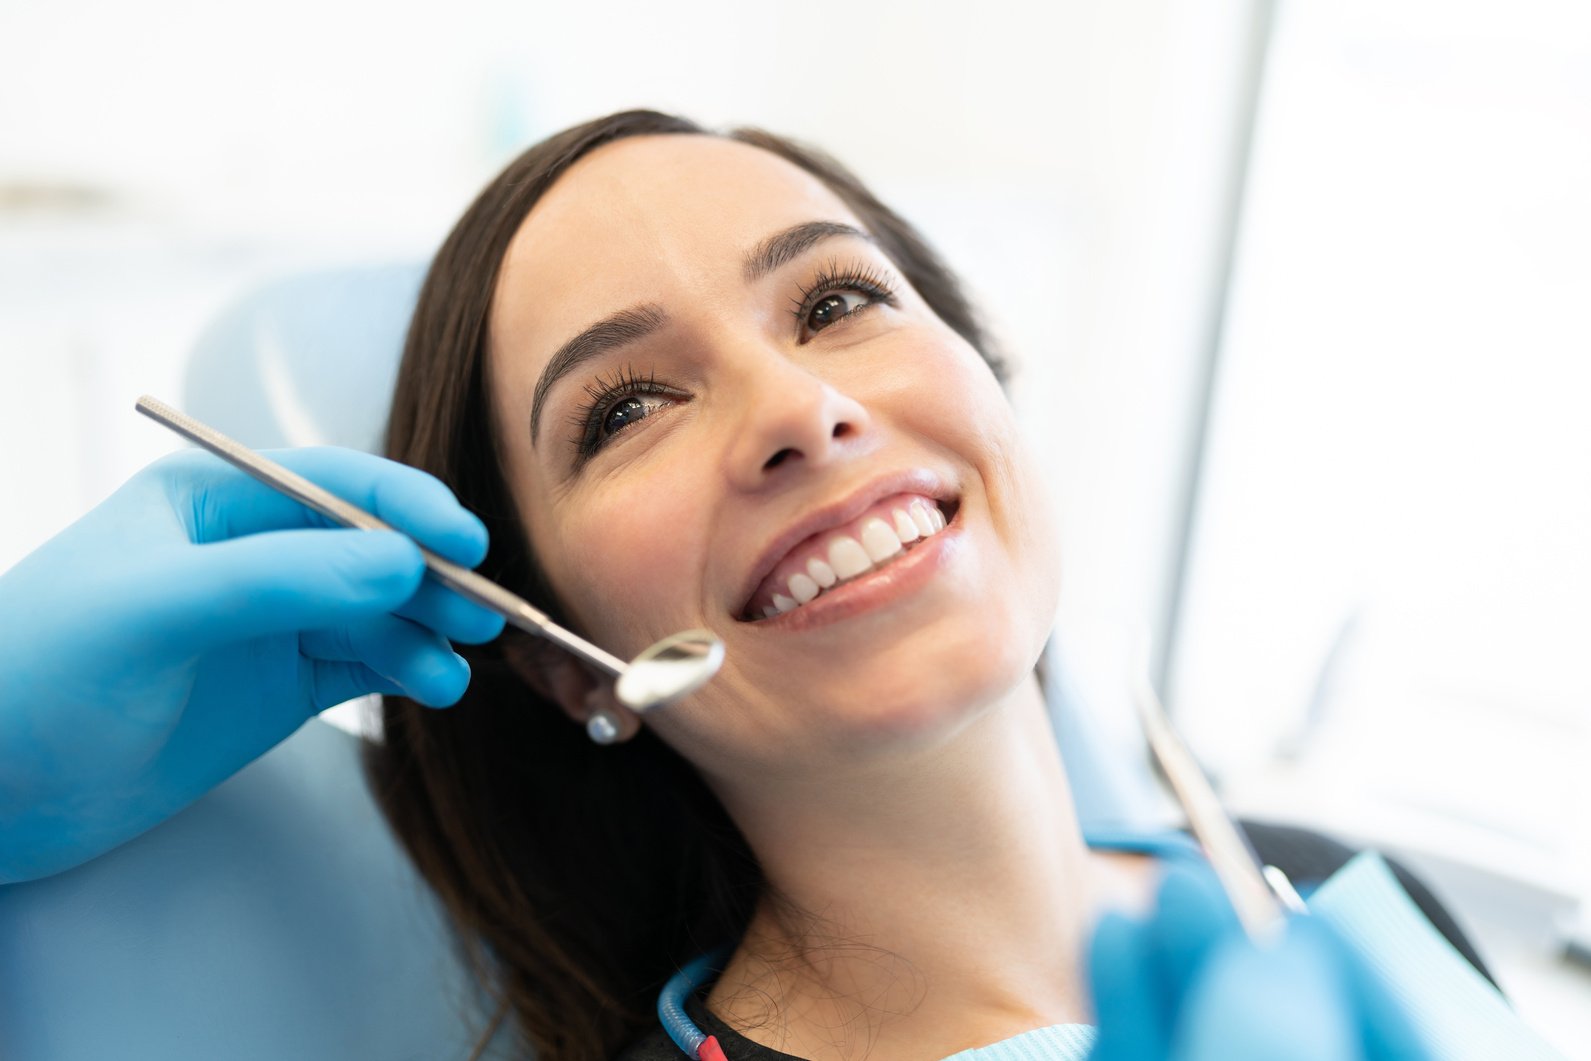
pixel 849 557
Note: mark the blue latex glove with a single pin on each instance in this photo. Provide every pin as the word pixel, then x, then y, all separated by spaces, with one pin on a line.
pixel 1186 985
pixel 195 619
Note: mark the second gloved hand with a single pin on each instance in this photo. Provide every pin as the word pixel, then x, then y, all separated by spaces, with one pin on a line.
pixel 1187 985
pixel 195 619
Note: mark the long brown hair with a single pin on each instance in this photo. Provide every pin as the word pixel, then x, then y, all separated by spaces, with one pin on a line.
pixel 578 877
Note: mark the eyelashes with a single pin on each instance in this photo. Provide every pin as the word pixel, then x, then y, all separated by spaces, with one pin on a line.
pixel 834 278
pixel 604 396
pixel 633 396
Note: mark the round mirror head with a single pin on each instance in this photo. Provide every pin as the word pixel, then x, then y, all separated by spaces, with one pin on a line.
pixel 675 666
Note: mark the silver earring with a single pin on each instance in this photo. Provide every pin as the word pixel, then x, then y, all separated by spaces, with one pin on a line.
pixel 603 727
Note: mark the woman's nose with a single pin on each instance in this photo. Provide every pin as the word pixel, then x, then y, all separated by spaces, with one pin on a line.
pixel 792 419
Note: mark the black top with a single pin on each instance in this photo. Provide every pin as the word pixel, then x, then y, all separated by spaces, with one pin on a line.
pixel 1306 857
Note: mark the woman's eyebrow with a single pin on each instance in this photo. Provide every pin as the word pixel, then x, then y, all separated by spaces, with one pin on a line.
pixel 780 247
pixel 612 331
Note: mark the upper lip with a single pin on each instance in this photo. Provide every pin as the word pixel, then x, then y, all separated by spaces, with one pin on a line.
pixel 915 481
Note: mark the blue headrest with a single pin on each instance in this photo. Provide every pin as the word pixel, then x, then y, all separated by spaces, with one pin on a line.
pixel 308 360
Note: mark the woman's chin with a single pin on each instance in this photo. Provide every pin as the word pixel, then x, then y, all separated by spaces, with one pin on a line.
pixel 906 704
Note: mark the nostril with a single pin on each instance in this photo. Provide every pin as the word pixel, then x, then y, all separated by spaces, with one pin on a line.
pixel 842 429
pixel 777 459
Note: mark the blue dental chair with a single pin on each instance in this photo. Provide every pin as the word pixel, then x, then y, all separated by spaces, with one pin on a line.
pixel 278 917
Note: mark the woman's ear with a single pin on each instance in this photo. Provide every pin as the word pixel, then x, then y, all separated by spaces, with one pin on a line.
pixel 565 681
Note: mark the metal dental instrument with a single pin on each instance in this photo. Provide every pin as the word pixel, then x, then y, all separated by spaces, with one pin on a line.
pixel 1261 895
pixel 675 666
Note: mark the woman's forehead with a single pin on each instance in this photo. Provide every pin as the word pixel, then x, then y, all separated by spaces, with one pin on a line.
pixel 636 216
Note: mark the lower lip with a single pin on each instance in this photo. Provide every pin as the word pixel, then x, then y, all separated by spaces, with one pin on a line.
pixel 898 578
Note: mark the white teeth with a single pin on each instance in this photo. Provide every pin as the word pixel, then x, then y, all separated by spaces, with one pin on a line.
pixel 848 558
pixel 905 528
pixel 802 588
pixel 879 540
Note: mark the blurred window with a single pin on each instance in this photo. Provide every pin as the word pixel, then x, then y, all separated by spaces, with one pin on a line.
pixel 1386 620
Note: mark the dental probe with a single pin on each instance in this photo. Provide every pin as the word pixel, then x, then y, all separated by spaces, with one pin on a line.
pixel 1261 895
pixel 672 668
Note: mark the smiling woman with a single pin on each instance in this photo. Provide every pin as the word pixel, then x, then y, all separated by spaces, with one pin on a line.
pixel 696 380
pixel 691 379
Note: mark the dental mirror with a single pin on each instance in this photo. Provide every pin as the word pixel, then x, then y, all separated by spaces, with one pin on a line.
pixel 674 667
pixel 677 665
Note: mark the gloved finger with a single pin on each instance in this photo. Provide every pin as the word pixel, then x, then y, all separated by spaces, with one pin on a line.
pixel 417 659
pixel 332 683
pixel 1130 1007
pixel 436 606
pixel 444 686
pixel 1192 916
pixel 226 503
pixel 1290 1000
pixel 275 584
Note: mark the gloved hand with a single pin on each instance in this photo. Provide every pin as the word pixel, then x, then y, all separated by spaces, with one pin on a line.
pixel 195 619
pixel 1186 985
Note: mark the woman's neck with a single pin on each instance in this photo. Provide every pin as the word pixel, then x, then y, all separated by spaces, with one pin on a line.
pixel 924 907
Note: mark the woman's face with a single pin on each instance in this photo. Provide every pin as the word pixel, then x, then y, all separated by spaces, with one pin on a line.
pixel 714 395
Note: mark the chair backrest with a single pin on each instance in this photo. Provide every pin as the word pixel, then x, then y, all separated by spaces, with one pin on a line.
pixel 275 918
pixel 308 360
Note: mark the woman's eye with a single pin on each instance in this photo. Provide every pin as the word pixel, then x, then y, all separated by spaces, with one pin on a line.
pixel 626 411
pixel 831 308
pixel 615 403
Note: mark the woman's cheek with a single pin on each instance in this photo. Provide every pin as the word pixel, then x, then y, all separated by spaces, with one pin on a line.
pixel 637 563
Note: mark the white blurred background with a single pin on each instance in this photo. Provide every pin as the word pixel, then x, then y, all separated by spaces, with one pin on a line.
pixel 1297 292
